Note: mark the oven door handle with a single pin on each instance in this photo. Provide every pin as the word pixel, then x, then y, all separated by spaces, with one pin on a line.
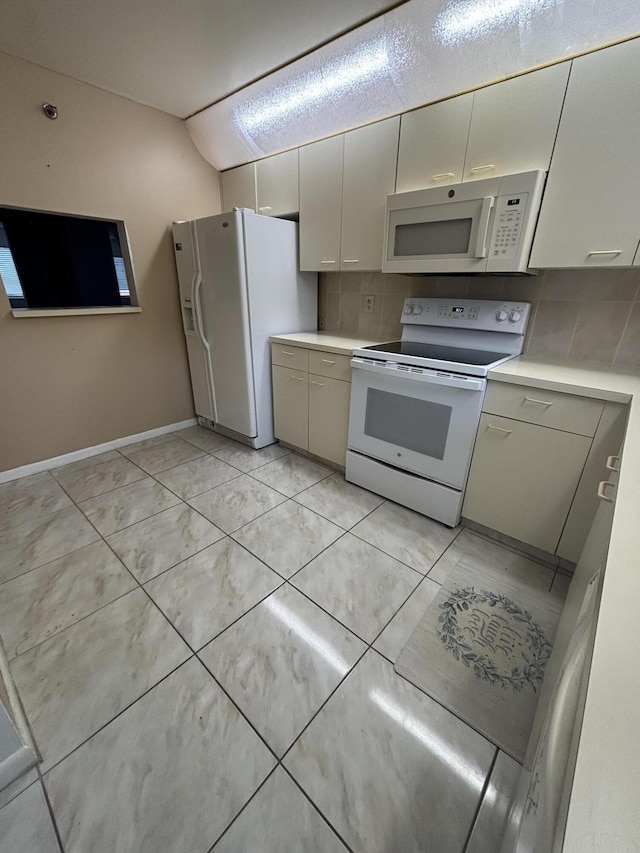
pixel 431 378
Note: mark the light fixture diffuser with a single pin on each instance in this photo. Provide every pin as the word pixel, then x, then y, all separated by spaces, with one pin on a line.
pixel 420 52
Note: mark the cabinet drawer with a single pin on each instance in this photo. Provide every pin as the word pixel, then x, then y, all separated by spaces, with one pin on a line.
pixel 547 408
pixel 296 358
pixel 523 478
pixel 330 364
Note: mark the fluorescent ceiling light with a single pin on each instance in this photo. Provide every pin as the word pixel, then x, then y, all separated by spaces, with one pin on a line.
pixel 419 52
pixel 467 19
pixel 365 64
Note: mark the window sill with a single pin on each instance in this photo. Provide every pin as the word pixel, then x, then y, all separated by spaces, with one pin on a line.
pixel 74 312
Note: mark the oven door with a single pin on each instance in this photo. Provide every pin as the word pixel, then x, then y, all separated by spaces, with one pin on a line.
pixel 420 420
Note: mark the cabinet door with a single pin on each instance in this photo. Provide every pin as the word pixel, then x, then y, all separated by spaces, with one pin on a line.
pixel 433 141
pixel 328 417
pixel 291 406
pixel 321 204
pixel 277 184
pixel 606 443
pixel 514 124
pixel 523 478
pixel 370 156
pixel 239 187
pixel 590 214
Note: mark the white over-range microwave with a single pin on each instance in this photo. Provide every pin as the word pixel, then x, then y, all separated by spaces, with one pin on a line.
pixel 476 227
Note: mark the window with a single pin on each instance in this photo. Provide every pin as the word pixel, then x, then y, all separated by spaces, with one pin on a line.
pixel 61 261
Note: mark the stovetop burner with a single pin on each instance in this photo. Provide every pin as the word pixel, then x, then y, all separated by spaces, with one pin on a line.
pixel 454 355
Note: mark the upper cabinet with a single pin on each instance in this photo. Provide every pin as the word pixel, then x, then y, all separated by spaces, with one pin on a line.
pixel 277 184
pixel 506 128
pixel 321 204
pixel 370 155
pixel 433 142
pixel 344 182
pixel 582 127
pixel 268 186
pixel 514 124
pixel 590 214
pixel 239 187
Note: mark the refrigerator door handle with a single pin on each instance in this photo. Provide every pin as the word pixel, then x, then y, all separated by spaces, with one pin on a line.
pixel 196 284
pixel 195 301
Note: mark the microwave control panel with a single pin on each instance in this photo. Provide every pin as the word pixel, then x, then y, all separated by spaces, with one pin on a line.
pixel 509 216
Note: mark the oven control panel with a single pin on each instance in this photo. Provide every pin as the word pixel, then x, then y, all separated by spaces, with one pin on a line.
pixel 483 314
pixel 457 312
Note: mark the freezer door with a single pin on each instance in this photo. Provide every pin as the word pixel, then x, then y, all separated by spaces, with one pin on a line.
pixel 222 305
pixel 197 349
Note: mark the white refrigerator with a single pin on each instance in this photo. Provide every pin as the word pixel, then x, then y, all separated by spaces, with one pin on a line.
pixel 239 283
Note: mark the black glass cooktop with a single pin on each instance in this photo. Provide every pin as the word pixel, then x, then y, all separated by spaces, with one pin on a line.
pixel 455 355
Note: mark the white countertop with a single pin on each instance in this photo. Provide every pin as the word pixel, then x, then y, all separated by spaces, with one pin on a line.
pixel 604 813
pixel 602 381
pixel 327 341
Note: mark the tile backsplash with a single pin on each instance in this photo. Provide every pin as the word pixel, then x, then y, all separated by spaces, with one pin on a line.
pixel 583 314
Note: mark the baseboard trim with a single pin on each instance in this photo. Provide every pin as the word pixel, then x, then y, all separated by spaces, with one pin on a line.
pixel 86 452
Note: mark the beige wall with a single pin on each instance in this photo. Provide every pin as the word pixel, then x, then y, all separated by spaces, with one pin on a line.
pixel 73 382
pixel 590 314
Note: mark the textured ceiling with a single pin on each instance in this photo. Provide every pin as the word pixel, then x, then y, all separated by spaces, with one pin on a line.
pixel 176 56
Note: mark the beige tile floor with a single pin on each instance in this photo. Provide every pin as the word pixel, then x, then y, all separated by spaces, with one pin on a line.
pixel 203 636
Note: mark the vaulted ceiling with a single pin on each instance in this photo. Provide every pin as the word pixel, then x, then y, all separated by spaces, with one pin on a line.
pixel 176 56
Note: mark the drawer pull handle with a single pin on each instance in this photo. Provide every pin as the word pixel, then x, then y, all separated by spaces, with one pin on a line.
pixel 499 429
pixel 351 260
pixel 483 168
pixel 539 402
pixel 602 493
pixel 319 384
pixel 613 463
pixel 327 262
pixel 443 175
pixel 286 352
pixel 297 378
pixel 327 361
pixel 606 252
pixel 267 207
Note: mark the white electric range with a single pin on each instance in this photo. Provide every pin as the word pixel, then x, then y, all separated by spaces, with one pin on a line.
pixel 416 402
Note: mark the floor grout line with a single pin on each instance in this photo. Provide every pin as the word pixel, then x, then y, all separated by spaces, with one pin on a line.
pixel 52 815
pixel 316 807
pixel 483 792
pixel 369 646
pixel 252 797
pixel 77 622
pixel 122 711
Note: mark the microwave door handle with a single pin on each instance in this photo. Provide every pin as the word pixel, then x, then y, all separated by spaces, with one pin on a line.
pixel 483 226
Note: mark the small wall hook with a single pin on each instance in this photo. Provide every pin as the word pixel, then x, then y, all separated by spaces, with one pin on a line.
pixel 50 111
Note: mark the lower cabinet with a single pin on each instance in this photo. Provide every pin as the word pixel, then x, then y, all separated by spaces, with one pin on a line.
pixel 291 406
pixel 328 417
pixel 538 458
pixel 311 406
pixel 523 479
